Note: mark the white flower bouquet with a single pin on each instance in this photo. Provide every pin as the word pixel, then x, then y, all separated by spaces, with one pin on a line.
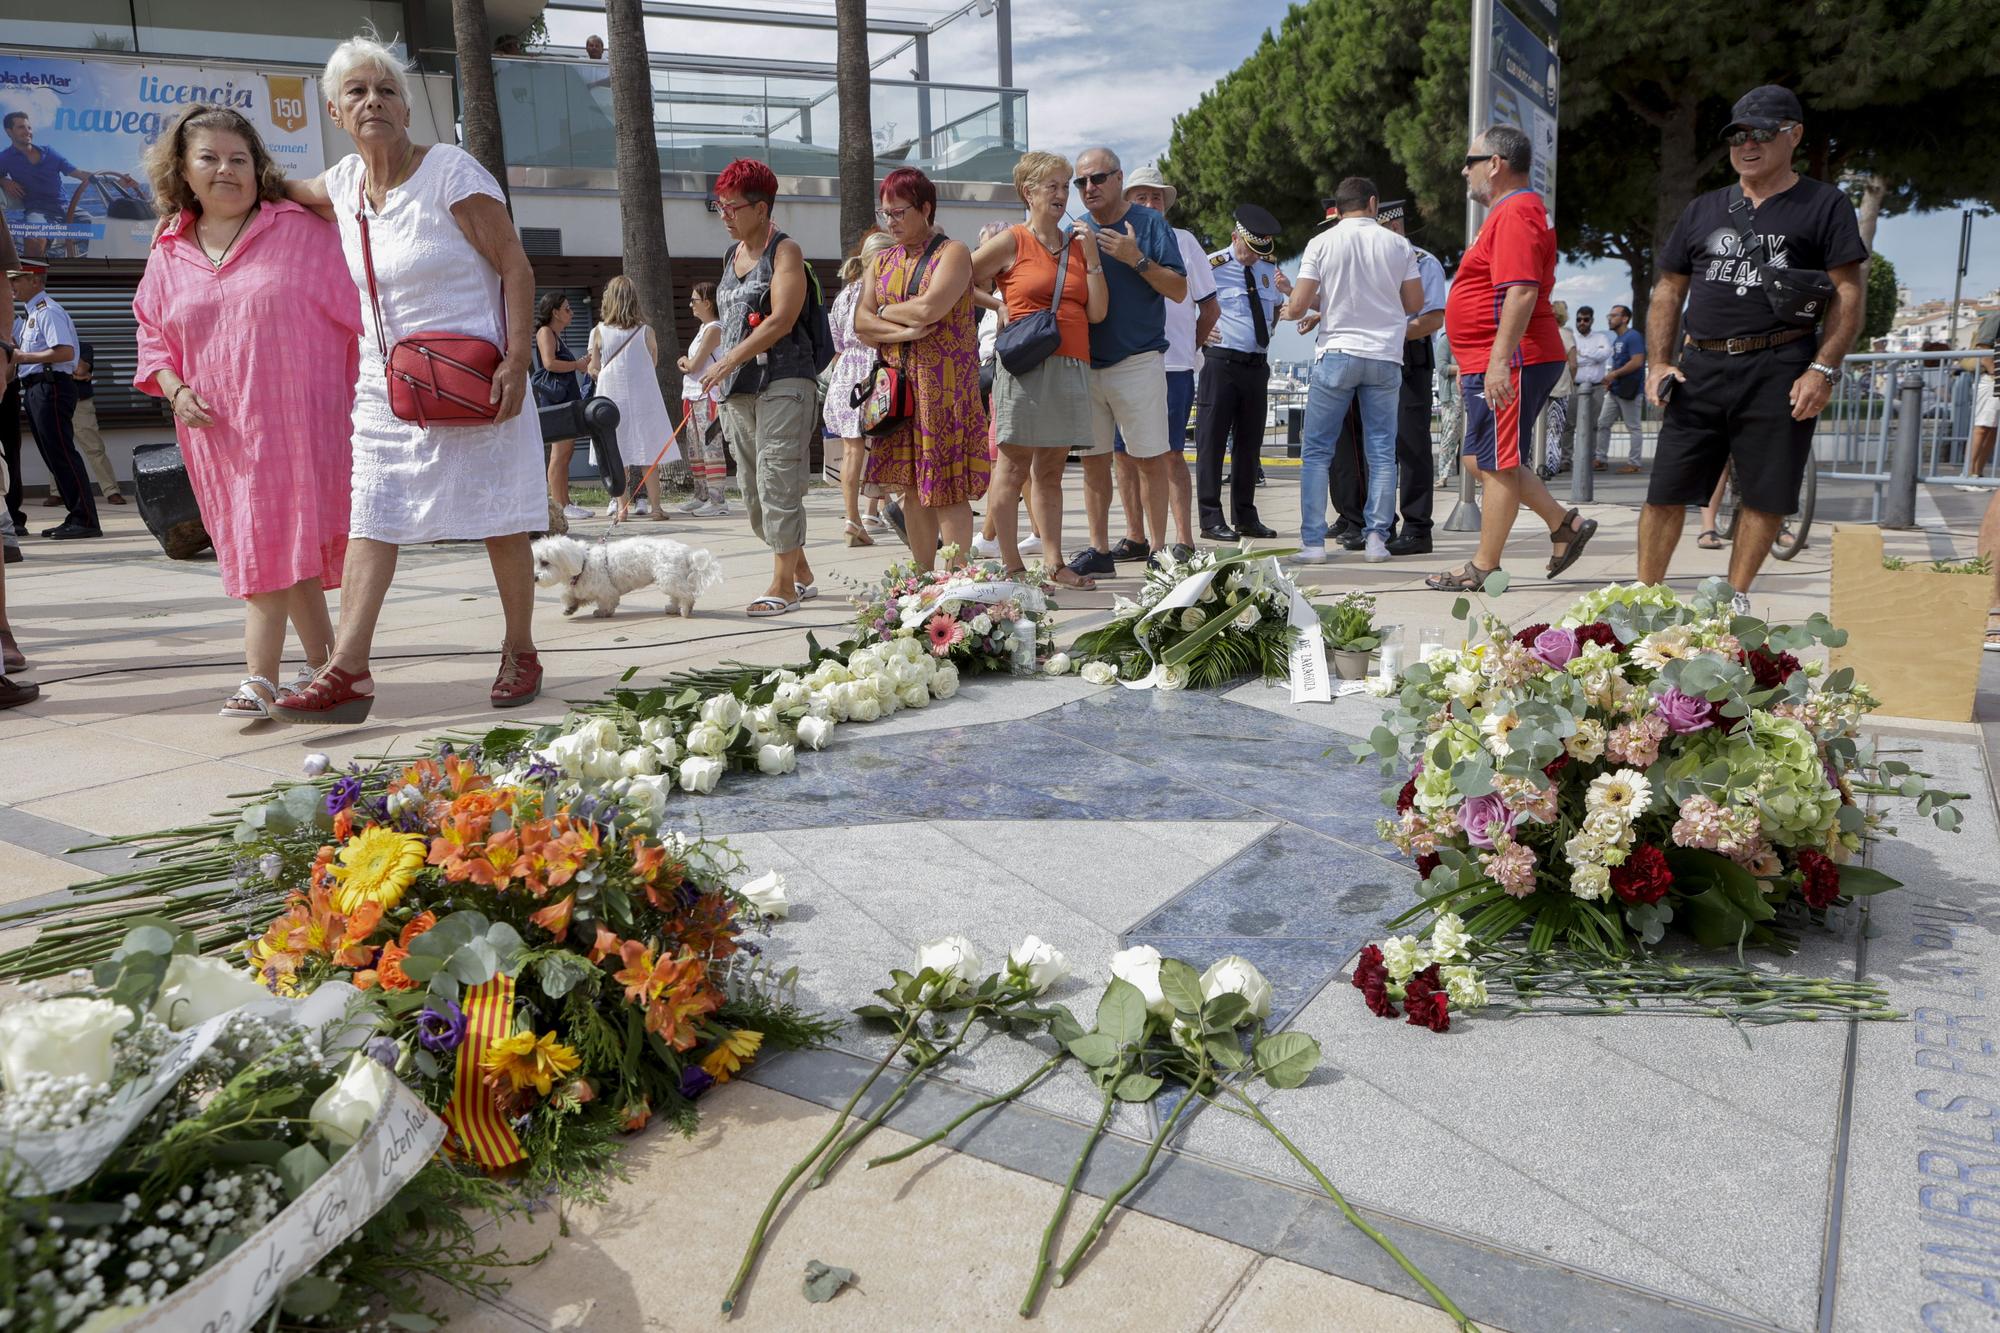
pixel 1199 623
pixel 977 616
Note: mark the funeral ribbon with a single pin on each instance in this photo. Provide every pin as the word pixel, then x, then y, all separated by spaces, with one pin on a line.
pixel 481 1132
pixel 1308 663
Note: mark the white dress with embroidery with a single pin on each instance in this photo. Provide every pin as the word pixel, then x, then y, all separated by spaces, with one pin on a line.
pixel 413 484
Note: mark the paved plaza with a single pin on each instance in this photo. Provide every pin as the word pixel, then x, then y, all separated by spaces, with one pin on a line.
pixel 1549 1173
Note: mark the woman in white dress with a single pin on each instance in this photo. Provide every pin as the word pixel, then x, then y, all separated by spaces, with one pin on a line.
pixel 623 360
pixel 446 259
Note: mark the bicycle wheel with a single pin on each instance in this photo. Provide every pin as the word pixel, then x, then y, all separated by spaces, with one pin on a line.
pixel 1799 524
pixel 1725 518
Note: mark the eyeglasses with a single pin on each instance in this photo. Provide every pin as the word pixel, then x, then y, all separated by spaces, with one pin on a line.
pixel 1474 159
pixel 1737 138
pixel 730 210
pixel 891 216
pixel 1094 178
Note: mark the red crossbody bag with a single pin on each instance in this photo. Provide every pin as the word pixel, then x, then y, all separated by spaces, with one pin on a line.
pixel 435 379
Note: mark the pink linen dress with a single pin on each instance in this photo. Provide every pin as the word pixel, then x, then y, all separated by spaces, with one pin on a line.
pixel 271 342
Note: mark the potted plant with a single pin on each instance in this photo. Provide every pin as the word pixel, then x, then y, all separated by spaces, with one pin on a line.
pixel 1349 626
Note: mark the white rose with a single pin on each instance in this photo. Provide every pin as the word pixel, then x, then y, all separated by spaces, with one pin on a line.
pixel 886 696
pixel 907 648
pixel 776 759
pixel 708 739
pixel 1249 616
pixel 864 708
pixel 1038 963
pixel 699 774
pixel 569 753
pixel 723 710
pixel 1057 665
pixel 1185 1035
pixel 1193 618
pixel 668 749
pixel 656 729
pixel 815 732
pixel 764 717
pixel 197 989
pixel 1238 976
pixel 67 1036
pixel 944 681
pixel 790 697
pixel 343 1111
pixel 1174 678
pixel 767 895
pixel 1462 685
pixel 315 764
pixel 1140 965
pixel 954 960
pixel 1099 673
pixel 601 732
pixel 914 695
pixel 982 623
pixel 639 761
pixel 648 796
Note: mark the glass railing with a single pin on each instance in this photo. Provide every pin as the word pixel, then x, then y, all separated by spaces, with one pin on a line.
pixel 557 114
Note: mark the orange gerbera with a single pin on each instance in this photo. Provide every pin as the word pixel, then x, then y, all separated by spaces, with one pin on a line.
pixel 418 924
pixel 555 917
pixel 388 971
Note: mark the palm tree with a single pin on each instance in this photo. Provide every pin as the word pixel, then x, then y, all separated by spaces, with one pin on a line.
pixel 642 218
pixel 857 131
pixel 478 104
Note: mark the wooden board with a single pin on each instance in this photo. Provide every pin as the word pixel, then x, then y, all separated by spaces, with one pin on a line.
pixel 1914 636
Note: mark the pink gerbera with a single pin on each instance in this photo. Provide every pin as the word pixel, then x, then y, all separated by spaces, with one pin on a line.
pixel 943 631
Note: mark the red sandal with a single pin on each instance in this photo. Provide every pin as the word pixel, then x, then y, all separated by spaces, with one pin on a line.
pixel 334 696
pixel 519 681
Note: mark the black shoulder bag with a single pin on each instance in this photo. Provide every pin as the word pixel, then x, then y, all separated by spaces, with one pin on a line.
pixel 1025 343
pixel 1799 297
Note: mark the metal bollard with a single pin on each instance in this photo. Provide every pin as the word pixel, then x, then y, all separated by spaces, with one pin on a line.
pixel 1582 476
pixel 1464 515
pixel 1899 503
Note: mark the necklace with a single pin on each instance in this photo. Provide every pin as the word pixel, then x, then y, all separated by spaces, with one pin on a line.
pixel 216 260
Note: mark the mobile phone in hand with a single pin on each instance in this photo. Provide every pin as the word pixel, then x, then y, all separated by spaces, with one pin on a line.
pixel 1667 389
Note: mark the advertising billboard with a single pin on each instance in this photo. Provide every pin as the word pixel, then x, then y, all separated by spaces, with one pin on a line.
pixel 71 180
pixel 1526 77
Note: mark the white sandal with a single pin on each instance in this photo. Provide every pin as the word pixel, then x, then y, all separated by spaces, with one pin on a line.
pixel 260 707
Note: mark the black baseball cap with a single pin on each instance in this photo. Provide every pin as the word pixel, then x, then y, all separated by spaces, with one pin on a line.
pixel 1765 108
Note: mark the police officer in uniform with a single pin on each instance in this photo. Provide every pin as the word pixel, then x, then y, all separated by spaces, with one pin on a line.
pixel 1348 481
pixel 1236 375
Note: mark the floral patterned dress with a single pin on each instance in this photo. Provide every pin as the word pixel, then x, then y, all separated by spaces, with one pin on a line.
pixel 939 456
pixel 853 362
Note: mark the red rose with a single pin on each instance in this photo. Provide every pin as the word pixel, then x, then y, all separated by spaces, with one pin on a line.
pixel 1599 633
pixel 1526 637
pixel 1432 1009
pixel 1426 863
pixel 1407 797
pixel 1771 672
pixel 1819 881
pixel 1644 878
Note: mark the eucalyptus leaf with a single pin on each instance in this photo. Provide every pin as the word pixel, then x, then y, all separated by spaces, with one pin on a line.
pixel 301 1167
pixel 823 1283
pixel 310 1295
pixel 561 973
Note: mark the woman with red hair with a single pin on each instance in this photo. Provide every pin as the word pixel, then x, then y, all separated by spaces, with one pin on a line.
pixel 921 297
pixel 766 374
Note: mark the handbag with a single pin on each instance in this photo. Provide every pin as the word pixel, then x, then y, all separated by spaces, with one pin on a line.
pixel 1797 296
pixel 435 379
pixel 1022 344
pixel 887 398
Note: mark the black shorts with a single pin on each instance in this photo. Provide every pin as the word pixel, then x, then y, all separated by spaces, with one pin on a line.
pixel 1735 410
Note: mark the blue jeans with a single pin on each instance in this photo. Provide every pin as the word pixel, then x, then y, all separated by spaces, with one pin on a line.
pixel 1337 379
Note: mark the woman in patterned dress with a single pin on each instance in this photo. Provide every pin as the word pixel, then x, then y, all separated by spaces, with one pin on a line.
pixel 921 298
pixel 853 363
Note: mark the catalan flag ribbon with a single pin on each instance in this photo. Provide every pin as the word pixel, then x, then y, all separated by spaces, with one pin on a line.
pixel 479 1129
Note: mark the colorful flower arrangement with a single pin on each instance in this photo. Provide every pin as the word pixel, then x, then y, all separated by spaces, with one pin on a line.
pixel 1199 623
pixel 976 615
pixel 1647 760
pixel 166 1130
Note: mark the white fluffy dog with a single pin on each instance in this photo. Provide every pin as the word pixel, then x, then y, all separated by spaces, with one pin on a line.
pixel 603 572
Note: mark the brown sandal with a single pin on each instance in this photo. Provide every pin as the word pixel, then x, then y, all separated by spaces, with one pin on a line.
pixel 1467 578
pixel 1710 540
pixel 1069 578
pixel 1577 531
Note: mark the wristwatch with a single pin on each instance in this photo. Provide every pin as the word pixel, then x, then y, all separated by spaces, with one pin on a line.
pixel 1143 264
pixel 1832 373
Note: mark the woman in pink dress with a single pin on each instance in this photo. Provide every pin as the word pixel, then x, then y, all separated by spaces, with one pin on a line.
pixel 249 328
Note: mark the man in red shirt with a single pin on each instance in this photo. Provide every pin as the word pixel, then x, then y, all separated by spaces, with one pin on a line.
pixel 1510 354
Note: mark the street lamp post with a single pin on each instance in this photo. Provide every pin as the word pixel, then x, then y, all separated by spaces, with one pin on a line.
pixel 1464 515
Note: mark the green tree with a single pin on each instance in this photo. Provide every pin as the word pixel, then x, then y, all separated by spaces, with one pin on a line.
pixel 478 104
pixel 1881 301
pixel 642 219
pixel 857 126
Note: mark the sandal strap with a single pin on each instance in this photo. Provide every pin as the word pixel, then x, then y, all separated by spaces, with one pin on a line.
pixel 270 689
pixel 516 668
pixel 332 685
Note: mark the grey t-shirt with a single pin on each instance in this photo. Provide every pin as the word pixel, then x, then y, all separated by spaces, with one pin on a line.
pixel 735 297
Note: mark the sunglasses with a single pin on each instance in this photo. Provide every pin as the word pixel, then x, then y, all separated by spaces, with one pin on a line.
pixel 1474 159
pixel 1737 138
pixel 1094 178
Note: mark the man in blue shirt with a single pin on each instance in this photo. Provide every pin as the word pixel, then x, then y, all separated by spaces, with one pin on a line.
pixel 46 342
pixel 1622 383
pixel 1236 375
pixel 31 177
pixel 1143 270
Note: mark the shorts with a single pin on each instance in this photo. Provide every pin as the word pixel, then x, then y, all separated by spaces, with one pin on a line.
pixel 1049 407
pixel 1735 411
pixel 1985 407
pixel 1130 398
pixel 1496 440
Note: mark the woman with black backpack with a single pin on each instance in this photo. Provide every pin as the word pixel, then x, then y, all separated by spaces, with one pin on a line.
pixel 555 379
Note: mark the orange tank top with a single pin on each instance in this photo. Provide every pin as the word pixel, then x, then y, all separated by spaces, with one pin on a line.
pixel 1031 281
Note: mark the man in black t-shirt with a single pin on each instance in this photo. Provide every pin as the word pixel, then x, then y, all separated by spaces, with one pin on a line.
pixel 1750 382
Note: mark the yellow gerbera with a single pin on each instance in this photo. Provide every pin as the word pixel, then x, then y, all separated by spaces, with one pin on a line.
pixel 737 1049
pixel 377 866
pixel 525 1058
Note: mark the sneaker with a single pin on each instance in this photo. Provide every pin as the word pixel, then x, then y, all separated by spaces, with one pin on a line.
pixel 1090 561
pixel 610 509
pixel 1031 545
pixel 982 549
pixel 694 504
pixel 578 511
pixel 640 507
pixel 1378 550
pixel 1740 604
pixel 709 509
pixel 1310 555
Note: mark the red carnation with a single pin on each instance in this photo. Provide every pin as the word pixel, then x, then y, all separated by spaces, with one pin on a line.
pixel 1555 766
pixel 1369 964
pixel 1819 882
pixel 1428 1005
pixel 1598 632
pixel 1407 797
pixel 1526 637
pixel 1425 864
pixel 1376 993
pixel 1371 978
pixel 1644 878
pixel 1771 672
